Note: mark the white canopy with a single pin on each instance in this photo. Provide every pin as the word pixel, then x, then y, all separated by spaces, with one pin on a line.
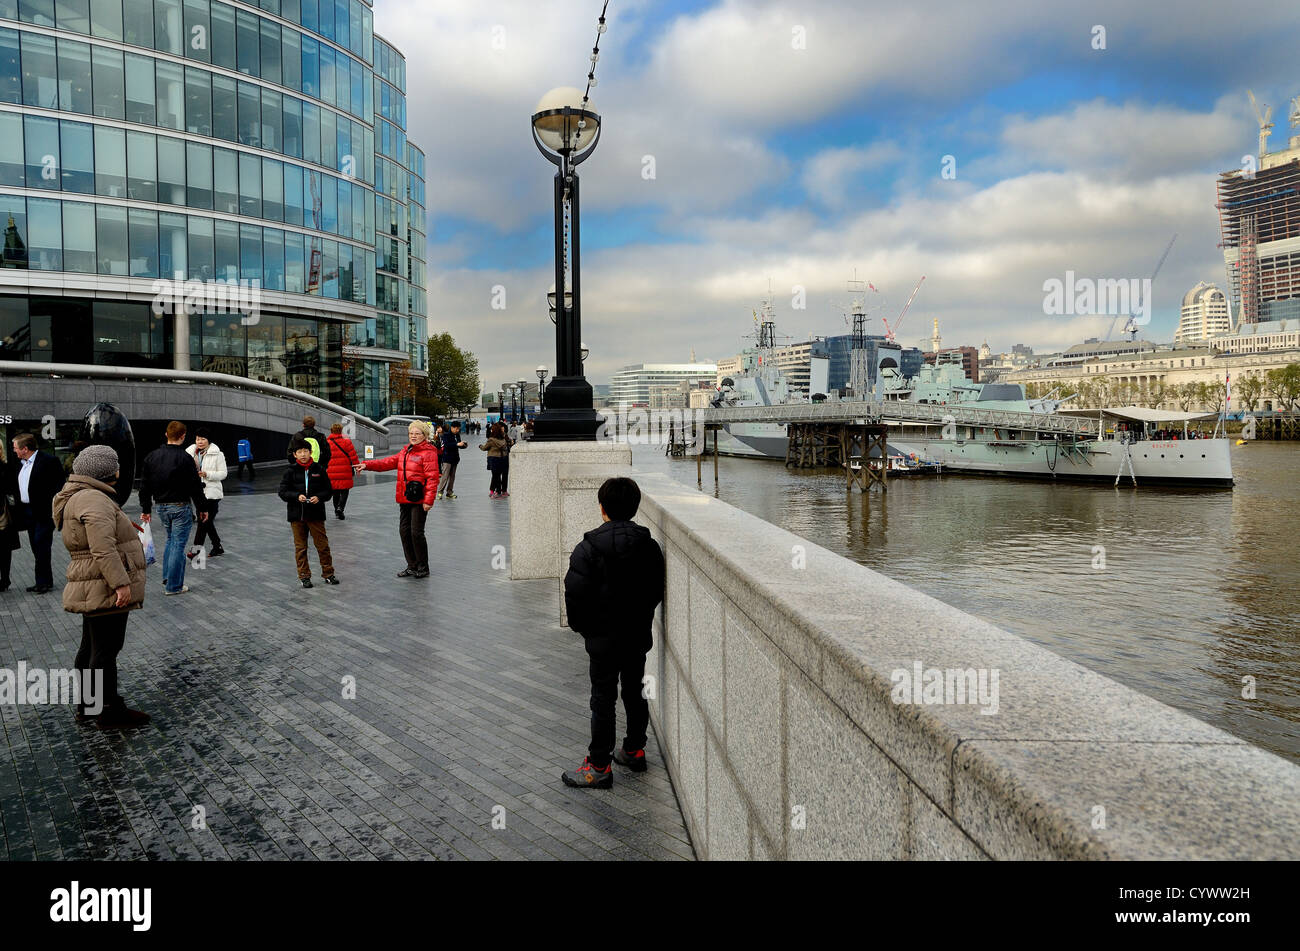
pixel 1141 414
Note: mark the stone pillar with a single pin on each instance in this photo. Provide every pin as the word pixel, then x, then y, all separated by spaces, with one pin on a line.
pixel 181 339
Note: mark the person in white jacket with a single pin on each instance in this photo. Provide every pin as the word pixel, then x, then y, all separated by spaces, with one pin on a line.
pixel 211 463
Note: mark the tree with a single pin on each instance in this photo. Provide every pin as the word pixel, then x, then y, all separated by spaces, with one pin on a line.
pixel 1249 389
pixel 1215 394
pixel 1283 384
pixel 453 378
pixel 1185 395
pixel 403 388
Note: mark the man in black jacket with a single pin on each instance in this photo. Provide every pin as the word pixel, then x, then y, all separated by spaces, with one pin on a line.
pixel 169 477
pixel 36 479
pixel 615 582
pixel 309 431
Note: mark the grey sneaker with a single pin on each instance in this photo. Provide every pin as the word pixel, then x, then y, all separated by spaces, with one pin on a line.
pixel 183 589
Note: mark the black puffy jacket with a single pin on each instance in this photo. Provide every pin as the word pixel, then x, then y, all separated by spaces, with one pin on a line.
pixel 310 481
pixel 614 583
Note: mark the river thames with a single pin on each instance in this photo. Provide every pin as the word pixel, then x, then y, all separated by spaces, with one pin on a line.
pixel 1189 592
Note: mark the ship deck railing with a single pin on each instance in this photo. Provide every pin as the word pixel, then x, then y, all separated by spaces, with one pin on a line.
pixel 891 411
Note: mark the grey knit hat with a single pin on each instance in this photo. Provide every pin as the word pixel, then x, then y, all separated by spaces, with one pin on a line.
pixel 96 462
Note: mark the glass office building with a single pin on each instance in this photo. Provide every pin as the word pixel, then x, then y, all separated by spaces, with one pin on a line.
pixel 205 141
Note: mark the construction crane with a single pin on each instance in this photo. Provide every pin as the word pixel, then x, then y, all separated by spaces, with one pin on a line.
pixel 1265 124
pixel 890 331
pixel 1131 325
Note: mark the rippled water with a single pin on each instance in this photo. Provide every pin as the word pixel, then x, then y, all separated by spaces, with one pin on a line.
pixel 1199 588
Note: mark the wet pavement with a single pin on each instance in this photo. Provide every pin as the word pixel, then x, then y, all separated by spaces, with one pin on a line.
pixel 470 700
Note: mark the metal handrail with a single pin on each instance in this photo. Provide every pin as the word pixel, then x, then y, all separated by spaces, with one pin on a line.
pixel 880 410
pixel 29 368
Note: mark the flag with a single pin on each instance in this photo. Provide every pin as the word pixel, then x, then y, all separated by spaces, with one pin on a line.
pixel 1228 385
pixel 870 285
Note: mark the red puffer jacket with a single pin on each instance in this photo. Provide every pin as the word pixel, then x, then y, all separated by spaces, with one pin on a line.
pixel 415 463
pixel 343 456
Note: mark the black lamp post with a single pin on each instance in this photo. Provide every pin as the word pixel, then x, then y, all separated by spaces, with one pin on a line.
pixel 541 387
pixel 523 401
pixel 565 131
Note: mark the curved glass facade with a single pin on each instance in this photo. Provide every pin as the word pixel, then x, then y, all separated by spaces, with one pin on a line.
pixel 205 141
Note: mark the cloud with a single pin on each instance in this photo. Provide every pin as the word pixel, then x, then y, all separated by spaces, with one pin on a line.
pixel 827 175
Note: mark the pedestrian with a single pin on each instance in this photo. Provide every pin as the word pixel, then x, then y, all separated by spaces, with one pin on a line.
pixel 245 450
pixel 515 433
pixel 36 479
pixel 417 489
pixel 8 526
pixel 106 580
pixel 496 448
pixel 451 447
pixel 305 487
pixel 168 477
pixel 320 450
pixel 343 456
pixel 210 463
pixel 614 583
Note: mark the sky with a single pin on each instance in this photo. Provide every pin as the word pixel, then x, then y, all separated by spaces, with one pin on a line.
pixel 801 144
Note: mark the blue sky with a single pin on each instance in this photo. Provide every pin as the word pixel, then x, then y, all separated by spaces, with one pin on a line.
pixel 800 164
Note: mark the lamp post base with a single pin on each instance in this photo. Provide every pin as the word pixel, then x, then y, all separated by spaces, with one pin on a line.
pixel 568 414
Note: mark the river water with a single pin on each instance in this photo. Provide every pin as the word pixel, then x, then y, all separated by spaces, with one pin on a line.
pixel 1199 589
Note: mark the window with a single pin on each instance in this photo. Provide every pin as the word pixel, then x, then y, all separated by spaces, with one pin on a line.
pixel 358 81
pixel 310 67
pixel 295 274
pixel 142 237
pixel 227 250
pixel 44 235
pixel 342 23
pixel 291 60
pixel 11 73
pixel 248 43
pixel 293 194
pixel 15 251
pixel 225 109
pixel 109 83
pixel 290 11
pixel 250 185
pixel 250 114
pixel 223 344
pixel 106 21
pixel 270 50
pixel 74 15
pixel 169 35
pixel 250 253
pixel 137 22
pixel 171 246
pixel 344 208
pixel 272 190
pixel 79 237
pixel 330 269
pixel 272 120
pixel 40 12
pixel 354 27
pixel 11 151
pixel 200 248
pixel 41 139
pixel 327 74
pixel 140 91
pixel 225 177
pixel 198 101
pixel 273 259
pixel 347 283
pixel 359 205
pixel 77 163
pixel 198 31
pixel 329 145
pixel 198 185
pixel 40 75
pixel 171 96
pixel 141 166
pixel 110 162
pixel 125 334
pixel 266 351
pixel 325 18
pixel 292 131
pixel 309 17
pixel 342 83
pixel 329 205
pixel 171 170
pixel 223 35
pixel 311 132
pixel 110 238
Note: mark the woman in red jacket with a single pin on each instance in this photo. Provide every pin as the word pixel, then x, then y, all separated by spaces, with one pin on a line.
pixel 343 456
pixel 417 487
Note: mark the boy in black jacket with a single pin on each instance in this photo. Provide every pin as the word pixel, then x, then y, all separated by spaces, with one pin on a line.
pixel 614 584
pixel 305 488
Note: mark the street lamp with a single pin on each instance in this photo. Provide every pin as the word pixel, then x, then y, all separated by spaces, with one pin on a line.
pixel 523 400
pixel 541 386
pixel 566 129
pixel 550 300
pixel 585 351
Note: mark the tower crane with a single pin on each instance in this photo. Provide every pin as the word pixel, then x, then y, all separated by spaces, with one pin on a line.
pixel 890 331
pixel 1265 124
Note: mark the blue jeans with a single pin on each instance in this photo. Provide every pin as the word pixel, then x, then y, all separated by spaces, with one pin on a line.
pixel 176 518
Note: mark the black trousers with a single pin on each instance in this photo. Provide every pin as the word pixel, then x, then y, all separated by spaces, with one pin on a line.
pixel 40 531
pixel 608 667
pixel 102 636
pixel 496 481
pixel 340 500
pixel 6 554
pixel 410 524
pixel 239 473
pixel 505 475
pixel 208 529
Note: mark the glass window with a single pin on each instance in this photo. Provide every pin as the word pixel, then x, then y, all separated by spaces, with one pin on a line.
pixel 40 12
pixel 342 23
pixel 169 34
pixel 109 176
pixel 171 246
pixel 344 142
pixel 225 109
pixel 110 238
pixel 354 26
pixel 342 83
pixel 223 344
pixel 41 140
pixel 225 177
pixel 140 91
pixel 44 235
pixel 137 22
pixel 327 74
pixel 270 50
pixel 273 259
pixel 223 35
pixel 74 15
pixel 329 143
pixel 11 72
pixel 325 18
pixel 292 126
pixel 310 67
pixel 11 151
pixel 292 194
pixel 250 253
pixel 358 80
pixel 125 334
pixel 171 95
pixel 359 205
pixel 344 190
pixel 200 249
pixel 311 132
pixel 347 283
pixel 290 11
pixel 198 185
pixel 141 166
pixel 142 235
pixel 309 18
pixel 13 209
pixel 330 269
pixel 77 157
pixel 266 351
pixel 311 251
pixel 329 205
pixel 250 185
pixel 198 101
pixel 106 19
pixel 198 34
pixel 79 237
pixel 295 274
pixel 291 60
pixel 311 199
pixel 246 28
pixel 109 83
pixel 272 190
pixel 171 170
pixel 250 114
pixel 272 119
pixel 40 74
pixel 227 250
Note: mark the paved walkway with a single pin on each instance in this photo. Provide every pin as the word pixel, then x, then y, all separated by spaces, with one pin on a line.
pixel 470 701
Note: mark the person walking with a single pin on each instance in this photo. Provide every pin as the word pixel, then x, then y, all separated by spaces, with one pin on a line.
pixel 305 488
pixel 343 457
pixel 210 463
pixel 417 489
pixel 37 479
pixel 451 447
pixel 320 450
pixel 105 580
pixel 8 525
pixel 496 447
pixel 245 450
pixel 168 477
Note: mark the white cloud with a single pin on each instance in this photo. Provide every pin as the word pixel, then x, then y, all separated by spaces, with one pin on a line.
pixel 827 176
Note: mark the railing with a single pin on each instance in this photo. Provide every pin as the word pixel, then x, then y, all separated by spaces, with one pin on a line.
pixel 883 411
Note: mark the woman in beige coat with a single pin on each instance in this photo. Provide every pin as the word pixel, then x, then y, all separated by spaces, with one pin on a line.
pixel 105 579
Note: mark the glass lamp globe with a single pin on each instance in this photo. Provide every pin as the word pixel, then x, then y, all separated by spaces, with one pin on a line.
pixel 562 133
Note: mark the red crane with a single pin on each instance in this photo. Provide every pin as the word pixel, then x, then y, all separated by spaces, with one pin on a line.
pixel 890 331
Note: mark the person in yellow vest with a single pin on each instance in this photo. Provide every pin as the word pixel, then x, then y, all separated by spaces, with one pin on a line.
pixel 320 447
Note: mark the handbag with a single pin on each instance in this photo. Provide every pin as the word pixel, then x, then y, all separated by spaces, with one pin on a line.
pixel 6 519
pixel 414 489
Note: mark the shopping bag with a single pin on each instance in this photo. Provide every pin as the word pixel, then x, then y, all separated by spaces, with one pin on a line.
pixel 146 539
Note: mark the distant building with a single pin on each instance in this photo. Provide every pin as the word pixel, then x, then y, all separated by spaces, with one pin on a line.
pixel 839 350
pixel 986 352
pixel 1204 315
pixel 1100 350
pixel 970 360
pixel 631 385
pixel 1262 337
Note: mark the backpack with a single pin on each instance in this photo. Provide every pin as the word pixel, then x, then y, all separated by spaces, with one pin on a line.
pixel 315 447
pixel 245 451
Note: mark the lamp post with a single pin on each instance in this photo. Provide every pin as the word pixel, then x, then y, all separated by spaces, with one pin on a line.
pixel 541 386
pixel 523 401
pixel 514 403
pixel 585 351
pixel 565 131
